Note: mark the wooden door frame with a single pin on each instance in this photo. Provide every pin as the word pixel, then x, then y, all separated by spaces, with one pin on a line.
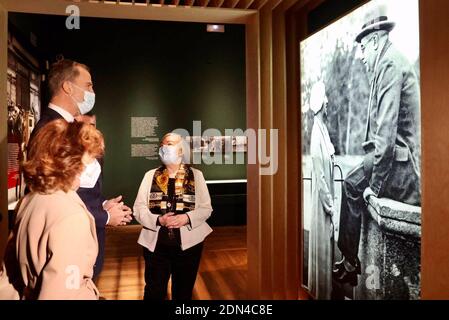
pixel 3 128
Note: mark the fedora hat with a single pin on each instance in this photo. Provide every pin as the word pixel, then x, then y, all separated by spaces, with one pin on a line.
pixel 375 20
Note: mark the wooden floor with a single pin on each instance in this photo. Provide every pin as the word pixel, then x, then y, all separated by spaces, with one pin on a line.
pixel 222 273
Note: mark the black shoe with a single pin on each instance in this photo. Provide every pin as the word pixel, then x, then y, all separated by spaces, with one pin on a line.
pixel 337 268
pixel 340 266
pixel 340 274
pixel 349 277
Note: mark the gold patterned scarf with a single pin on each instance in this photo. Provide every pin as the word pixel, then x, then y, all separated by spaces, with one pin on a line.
pixel 184 188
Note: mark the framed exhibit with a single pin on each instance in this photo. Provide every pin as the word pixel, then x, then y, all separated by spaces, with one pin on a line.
pixel 361 154
pixel 217 144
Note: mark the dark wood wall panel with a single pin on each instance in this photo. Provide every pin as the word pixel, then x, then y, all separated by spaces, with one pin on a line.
pixel 435 148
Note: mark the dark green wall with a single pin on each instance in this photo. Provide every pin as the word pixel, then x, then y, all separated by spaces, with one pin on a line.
pixel 174 71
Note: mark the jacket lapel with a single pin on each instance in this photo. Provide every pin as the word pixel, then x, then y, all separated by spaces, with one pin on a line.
pixel 373 86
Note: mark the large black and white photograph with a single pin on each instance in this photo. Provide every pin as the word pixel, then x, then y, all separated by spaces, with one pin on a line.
pixel 217 144
pixel 361 155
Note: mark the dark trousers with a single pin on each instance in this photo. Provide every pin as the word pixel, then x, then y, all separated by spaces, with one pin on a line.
pixel 171 260
pixel 101 237
pixel 352 208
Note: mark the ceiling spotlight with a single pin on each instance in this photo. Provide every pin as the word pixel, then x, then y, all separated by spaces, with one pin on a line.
pixel 215 28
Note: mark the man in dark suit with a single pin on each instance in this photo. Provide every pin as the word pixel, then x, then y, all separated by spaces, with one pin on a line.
pixel 72 96
pixel 391 165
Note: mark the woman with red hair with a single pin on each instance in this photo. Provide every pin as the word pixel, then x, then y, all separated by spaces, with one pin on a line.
pixel 53 247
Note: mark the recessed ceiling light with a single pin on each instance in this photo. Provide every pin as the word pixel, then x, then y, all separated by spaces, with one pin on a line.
pixel 215 28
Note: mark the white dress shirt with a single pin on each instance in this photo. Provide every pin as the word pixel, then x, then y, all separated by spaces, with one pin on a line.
pixel 64 113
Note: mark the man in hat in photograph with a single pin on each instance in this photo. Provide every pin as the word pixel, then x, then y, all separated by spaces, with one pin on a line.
pixel 391 165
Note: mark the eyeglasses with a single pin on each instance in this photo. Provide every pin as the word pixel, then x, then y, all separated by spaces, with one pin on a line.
pixel 363 46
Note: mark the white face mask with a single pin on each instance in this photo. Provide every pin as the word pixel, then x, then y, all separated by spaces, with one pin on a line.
pixel 89 176
pixel 169 155
pixel 88 103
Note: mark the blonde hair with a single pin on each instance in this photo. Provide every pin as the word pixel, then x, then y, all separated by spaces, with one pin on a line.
pixel 170 134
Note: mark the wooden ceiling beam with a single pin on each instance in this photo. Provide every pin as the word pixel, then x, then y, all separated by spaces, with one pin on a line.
pixel 244 4
pixel 112 10
pixel 258 4
pixel 230 3
pixel 219 3
pixel 203 3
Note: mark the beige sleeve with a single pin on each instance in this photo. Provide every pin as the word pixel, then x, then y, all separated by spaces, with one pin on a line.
pixel 142 214
pixel 67 274
pixel 203 207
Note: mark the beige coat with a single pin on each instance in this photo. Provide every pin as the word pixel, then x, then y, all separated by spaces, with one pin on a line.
pixel 53 248
pixel 320 238
pixel 191 234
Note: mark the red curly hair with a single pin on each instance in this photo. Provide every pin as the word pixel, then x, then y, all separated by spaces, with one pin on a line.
pixel 55 154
